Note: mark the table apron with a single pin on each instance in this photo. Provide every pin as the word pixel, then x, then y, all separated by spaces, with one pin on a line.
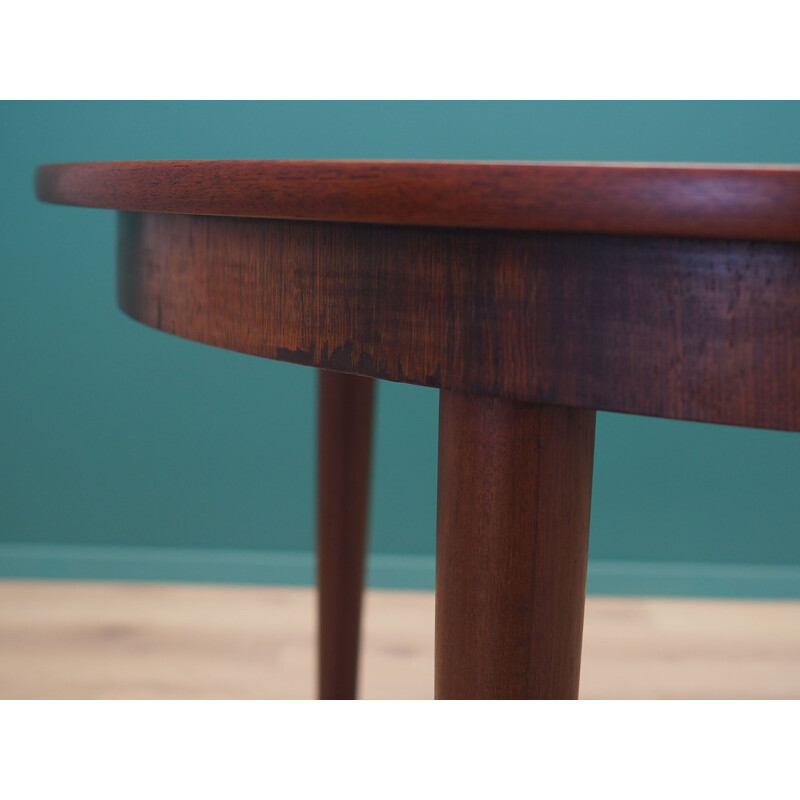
pixel 697 329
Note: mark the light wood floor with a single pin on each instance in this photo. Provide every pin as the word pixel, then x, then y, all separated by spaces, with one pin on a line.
pixel 126 640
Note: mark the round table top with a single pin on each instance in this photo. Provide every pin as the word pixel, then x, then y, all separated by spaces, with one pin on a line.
pixel 693 200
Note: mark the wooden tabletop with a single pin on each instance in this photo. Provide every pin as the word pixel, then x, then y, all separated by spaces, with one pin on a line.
pixel 692 200
pixel 670 291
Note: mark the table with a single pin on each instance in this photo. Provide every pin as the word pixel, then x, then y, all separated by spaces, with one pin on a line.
pixel 531 295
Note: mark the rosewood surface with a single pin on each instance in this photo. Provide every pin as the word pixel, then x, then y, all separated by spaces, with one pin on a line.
pixel 530 294
pixel 515 485
pixel 345 445
pixel 715 201
pixel 694 329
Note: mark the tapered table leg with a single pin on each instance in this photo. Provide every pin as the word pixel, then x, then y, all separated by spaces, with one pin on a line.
pixel 515 484
pixel 345 434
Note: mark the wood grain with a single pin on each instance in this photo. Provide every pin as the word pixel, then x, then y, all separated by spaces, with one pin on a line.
pixel 683 328
pixel 79 640
pixel 345 445
pixel 515 485
pixel 714 201
pixel 532 294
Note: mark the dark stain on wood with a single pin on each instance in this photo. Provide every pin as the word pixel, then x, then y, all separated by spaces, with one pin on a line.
pixel 694 329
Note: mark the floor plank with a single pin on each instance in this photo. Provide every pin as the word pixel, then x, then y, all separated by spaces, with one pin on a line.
pixel 129 640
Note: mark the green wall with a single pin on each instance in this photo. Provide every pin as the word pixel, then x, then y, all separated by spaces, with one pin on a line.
pixel 115 436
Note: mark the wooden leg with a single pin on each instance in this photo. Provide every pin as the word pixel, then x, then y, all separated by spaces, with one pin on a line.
pixel 515 483
pixel 345 434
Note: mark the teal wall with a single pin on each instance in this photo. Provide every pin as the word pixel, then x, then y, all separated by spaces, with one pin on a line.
pixel 116 436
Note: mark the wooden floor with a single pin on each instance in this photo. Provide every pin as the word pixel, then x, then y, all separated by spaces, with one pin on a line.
pixel 126 640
